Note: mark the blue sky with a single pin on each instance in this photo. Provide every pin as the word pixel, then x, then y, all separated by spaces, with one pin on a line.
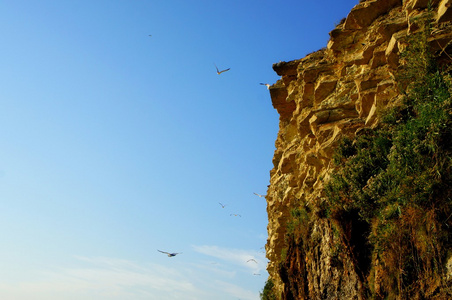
pixel 114 143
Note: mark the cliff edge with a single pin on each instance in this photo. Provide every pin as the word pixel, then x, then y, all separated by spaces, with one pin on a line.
pixel 338 92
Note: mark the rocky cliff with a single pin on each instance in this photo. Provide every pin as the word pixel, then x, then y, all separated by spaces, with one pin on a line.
pixel 337 91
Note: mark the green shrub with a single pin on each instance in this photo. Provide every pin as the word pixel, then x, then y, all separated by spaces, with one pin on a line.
pixel 268 292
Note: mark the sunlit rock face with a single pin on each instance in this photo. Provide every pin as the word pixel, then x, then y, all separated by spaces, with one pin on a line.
pixel 321 98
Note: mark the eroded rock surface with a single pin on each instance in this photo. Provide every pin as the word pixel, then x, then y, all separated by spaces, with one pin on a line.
pixel 321 98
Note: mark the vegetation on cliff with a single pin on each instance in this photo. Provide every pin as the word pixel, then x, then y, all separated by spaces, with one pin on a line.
pixel 268 293
pixel 389 201
pixel 395 183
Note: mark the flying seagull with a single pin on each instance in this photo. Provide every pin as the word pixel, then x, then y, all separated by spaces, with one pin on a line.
pixel 222 205
pixel 169 254
pixel 259 195
pixel 266 84
pixel 251 260
pixel 235 215
pixel 219 72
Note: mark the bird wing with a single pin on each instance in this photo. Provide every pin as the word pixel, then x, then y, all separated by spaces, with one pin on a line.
pixel 163 252
pixel 225 70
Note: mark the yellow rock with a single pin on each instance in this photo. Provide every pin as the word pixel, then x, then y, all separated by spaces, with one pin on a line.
pixel 329 94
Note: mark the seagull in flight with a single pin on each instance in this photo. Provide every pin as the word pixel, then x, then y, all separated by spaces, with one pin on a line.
pixel 251 260
pixel 259 195
pixel 219 72
pixel 235 215
pixel 169 254
pixel 222 205
pixel 266 84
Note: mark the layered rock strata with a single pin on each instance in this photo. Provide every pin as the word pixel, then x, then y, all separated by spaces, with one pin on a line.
pixel 329 94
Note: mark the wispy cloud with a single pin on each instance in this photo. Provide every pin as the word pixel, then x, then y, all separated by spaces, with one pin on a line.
pixel 235 290
pixel 255 261
pixel 122 273
pixel 103 278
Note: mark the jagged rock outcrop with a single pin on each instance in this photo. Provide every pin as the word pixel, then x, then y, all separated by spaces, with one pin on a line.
pixel 335 92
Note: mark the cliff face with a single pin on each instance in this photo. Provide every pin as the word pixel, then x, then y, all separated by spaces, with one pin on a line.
pixel 335 92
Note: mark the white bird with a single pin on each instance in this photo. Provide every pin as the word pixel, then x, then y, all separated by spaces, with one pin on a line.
pixel 266 84
pixel 259 195
pixel 223 206
pixel 169 254
pixel 219 72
